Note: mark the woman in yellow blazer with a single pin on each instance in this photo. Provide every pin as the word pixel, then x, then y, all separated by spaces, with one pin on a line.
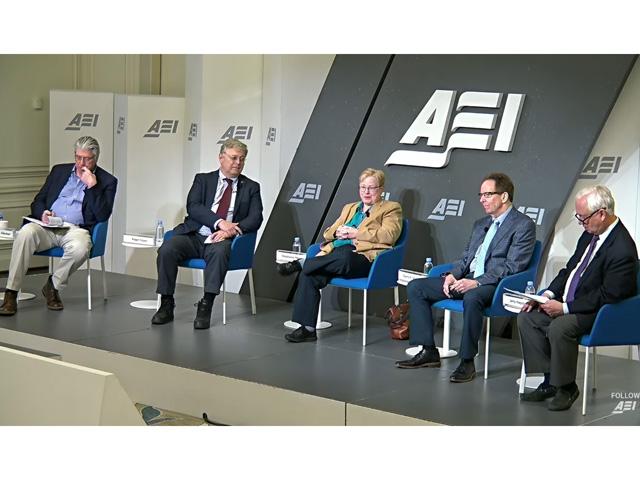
pixel 361 232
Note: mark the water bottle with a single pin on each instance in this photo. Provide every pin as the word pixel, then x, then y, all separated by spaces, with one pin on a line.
pixel 159 233
pixel 530 288
pixel 297 246
pixel 428 265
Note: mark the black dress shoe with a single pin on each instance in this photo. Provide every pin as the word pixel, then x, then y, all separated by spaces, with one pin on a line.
pixel 203 314
pixel 301 334
pixel 539 394
pixel 427 357
pixel 51 295
pixel 465 372
pixel 289 268
pixel 165 312
pixel 563 399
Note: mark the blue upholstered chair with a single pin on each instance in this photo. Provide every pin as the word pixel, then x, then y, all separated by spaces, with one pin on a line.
pixel 242 250
pixel 383 274
pixel 517 281
pixel 99 240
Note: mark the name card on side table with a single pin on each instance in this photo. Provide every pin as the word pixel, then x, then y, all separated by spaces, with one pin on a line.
pixel 284 256
pixel 140 239
pixel 405 276
pixel 8 233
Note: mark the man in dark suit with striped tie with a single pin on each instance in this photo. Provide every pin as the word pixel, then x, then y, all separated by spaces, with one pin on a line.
pixel 220 205
pixel 601 270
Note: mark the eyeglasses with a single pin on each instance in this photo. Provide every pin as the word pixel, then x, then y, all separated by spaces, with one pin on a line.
pixel 364 188
pixel 488 194
pixel 235 158
pixel 583 221
pixel 80 158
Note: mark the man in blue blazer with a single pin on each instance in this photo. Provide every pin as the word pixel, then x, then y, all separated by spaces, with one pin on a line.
pixel 602 270
pixel 501 244
pixel 79 193
pixel 220 205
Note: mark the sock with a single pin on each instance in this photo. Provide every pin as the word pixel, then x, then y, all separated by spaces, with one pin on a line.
pixel 545 383
pixel 209 297
pixel 570 387
pixel 9 290
pixel 467 360
pixel 310 329
pixel 166 297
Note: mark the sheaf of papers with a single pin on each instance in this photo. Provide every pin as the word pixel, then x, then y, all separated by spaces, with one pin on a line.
pixel 529 296
pixel 47 225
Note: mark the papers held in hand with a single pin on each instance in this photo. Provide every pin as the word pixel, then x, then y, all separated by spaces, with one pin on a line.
pixel 54 222
pixel 513 301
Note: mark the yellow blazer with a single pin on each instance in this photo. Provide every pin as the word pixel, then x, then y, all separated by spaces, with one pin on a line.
pixel 377 232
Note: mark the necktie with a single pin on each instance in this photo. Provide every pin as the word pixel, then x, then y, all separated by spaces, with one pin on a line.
pixel 573 286
pixel 225 200
pixel 482 253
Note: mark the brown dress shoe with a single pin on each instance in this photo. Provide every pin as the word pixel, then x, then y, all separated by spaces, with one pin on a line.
pixel 51 295
pixel 10 304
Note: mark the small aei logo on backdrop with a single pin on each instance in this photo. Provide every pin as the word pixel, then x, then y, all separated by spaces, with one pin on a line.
pixel 535 213
pixel 271 136
pixel 121 125
pixel 435 123
pixel 598 165
pixel 306 191
pixel 241 132
pixel 451 207
pixel 159 127
pixel 625 405
pixel 80 120
pixel 193 131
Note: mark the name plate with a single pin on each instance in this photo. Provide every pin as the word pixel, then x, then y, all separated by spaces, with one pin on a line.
pixel 146 240
pixel 513 303
pixel 8 233
pixel 284 256
pixel 405 276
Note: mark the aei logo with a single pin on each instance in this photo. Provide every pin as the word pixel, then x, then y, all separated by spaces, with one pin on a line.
pixel 598 165
pixel 447 207
pixel 306 191
pixel 161 126
pixel 83 120
pixel 434 122
pixel 536 214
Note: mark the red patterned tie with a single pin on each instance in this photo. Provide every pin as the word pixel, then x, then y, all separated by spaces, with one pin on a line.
pixel 225 200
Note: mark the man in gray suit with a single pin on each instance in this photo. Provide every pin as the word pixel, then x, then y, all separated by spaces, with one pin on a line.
pixel 501 244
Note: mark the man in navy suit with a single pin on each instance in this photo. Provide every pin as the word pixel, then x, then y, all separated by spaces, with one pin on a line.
pixel 79 193
pixel 602 270
pixel 501 244
pixel 220 205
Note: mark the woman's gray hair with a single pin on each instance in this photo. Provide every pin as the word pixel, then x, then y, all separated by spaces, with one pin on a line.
pixel 88 143
pixel 598 196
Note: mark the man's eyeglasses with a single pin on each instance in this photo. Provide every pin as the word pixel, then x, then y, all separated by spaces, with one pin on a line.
pixel 235 158
pixel 488 194
pixel 364 188
pixel 80 158
pixel 583 221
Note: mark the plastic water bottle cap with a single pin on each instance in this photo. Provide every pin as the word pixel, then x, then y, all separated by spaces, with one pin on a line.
pixel 428 259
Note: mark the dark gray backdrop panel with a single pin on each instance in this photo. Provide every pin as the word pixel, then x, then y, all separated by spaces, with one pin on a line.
pixel 568 99
pixel 317 167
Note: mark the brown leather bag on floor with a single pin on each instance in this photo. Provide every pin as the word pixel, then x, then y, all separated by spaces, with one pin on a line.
pixel 398 319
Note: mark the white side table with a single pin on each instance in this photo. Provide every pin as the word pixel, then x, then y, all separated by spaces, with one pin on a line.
pixel 404 277
pixel 284 256
pixel 144 304
pixel 7 235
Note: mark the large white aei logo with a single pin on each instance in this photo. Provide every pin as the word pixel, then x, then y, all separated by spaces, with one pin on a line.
pixel 433 123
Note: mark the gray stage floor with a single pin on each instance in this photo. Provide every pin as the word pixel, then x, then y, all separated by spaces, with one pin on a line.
pixel 252 348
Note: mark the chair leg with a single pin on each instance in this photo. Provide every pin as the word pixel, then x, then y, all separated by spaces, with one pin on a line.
pixel 446 332
pixel 252 292
pixel 50 265
pixel 523 379
pixel 89 283
pixel 349 314
pixel 224 304
pixel 319 319
pixel 586 376
pixel 396 295
pixel 364 318
pixel 104 279
pixel 486 349
pixel 594 368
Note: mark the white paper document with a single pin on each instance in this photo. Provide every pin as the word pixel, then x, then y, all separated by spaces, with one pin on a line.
pixel 58 223
pixel 528 296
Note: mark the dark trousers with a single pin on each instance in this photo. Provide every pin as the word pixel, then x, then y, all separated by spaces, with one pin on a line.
pixel 317 272
pixel 424 292
pixel 550 345
pixel 182 247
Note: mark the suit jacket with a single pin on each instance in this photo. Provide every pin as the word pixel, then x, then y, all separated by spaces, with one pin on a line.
pixel 509 252
pixel 247 209
pixel 609 277
pixel 377 232
pixel 98 200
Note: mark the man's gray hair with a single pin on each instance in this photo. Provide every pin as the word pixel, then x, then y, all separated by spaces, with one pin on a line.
pixel 233 143
pixel 88 143
pixel 598 196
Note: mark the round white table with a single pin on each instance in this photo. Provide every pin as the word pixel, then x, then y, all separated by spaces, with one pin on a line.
pixel 21 295
pixel 144 304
